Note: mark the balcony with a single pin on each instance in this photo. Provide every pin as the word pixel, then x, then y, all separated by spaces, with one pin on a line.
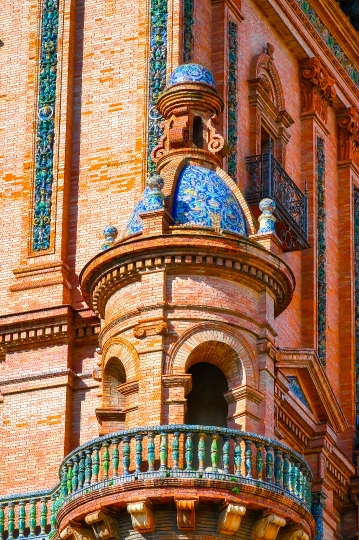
pixel 269 179
pixel 226 462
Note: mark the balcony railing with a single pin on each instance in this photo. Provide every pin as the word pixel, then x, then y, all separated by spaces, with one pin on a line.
pixel 269 179
pixel 170 451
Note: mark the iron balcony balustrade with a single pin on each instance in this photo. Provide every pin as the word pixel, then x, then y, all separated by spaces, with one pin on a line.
pixel 169 451
pixel 269 179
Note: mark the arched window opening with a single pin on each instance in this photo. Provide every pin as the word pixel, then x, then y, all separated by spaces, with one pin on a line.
pixel 198 132
pixel 114 376
pixel 206 404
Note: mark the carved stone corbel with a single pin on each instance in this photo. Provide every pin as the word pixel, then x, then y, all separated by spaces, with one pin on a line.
pixel 267 527
pixel 348 135
pixel 230 518
pixel 104 526
pixel 77 533
pixel 142 517
pixel 186 515
pixel 294 534
pixel 317 90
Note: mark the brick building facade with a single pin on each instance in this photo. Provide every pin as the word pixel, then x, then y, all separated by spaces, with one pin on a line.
pixel 179 277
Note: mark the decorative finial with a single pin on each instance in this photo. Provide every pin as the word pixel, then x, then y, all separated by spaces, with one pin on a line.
pixel 154 196
pixel 266 219
pixel 269 50
pixel 110 233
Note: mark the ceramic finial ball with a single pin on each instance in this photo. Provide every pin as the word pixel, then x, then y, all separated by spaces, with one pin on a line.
pixel 110 233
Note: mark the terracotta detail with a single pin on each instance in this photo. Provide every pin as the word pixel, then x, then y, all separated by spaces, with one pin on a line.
pixel 186 515
pixel 142 516
pixel 105 526
pixel 317 89
pixel 150 327
pixel 230 518
pixel 267 527
pixel 72 532
pixel 348 135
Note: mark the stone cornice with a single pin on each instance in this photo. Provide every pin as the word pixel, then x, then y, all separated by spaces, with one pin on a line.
pixel 60 324
pixel 186 250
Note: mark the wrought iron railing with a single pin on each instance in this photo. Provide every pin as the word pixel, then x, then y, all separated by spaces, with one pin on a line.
pixel 170 451
pixel 269 179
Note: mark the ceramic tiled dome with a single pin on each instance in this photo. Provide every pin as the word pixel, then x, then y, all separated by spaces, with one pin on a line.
pixel 203 199
pixel 191 73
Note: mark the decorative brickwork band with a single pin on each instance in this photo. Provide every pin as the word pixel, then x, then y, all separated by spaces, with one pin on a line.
pixel 232 98
pixel 45 126
pixel 356 277
pixel 316 88
pixel 321 253
pixel 348 135
pixel 188 22
pixel 317 512
pixel 157 73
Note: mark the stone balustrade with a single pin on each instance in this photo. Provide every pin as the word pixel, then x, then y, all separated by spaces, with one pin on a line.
pixel 169 451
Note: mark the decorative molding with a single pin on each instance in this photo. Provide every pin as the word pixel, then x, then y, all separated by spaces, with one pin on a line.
pixel 296 534
pixel 267 527
pixel 142 517
pixel 317 90
pixel 150 327
pixel 230 518
pixel 45 127
pixel 356 288
pixel 157 74
pixel 322 31
pixel 318 503
pixel 186 515
pixel 321 254
pixel 232 117
pixel 348 135
pixel 178 381
pixel 188 22
pixel 105 526
pixel 295 387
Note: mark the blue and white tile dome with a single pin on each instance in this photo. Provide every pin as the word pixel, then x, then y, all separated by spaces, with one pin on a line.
pixel 203 199
pixel 191 73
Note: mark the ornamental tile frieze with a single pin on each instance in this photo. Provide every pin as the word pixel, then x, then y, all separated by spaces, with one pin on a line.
pixel 348 135
pixel 188 22
pixel 157 73
pixel 45 127
pixel 232 98
pixel 316 88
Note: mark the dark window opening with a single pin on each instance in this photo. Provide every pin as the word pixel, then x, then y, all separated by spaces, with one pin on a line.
pixel 198 132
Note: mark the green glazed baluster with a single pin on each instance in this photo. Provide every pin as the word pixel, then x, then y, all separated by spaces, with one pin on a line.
pixel 201 452
pixel 163 452
pixel 298 487
pixel 95 464
pixel 21 519
pixel 286 470
pixel 53 513
pixel 308 490
pixel 138 453
pixel 278 467
pixel 175 451
pixel 32 517
pixel 64 491
pixel 301 483
pixel 69 476
pixel 248 458
pixel 82 470
pixel 88 467
pixel 269 464
pixel 189 451
pixel 293 477
pixel 151 452
pixel 259 461
pixel 2 521
pixel 126 459
pixel 238 456
pixel 214 453
pixel 115 458
pixel 226 451
pixel 106 460
pixel 11 520
pixel 75 474
pixel 43 515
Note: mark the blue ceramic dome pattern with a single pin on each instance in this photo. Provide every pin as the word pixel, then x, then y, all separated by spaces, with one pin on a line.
pixel 191 73
pixel 203 199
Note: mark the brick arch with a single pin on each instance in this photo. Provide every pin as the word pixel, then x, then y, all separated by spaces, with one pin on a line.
pixel 238 366
pixel 122 349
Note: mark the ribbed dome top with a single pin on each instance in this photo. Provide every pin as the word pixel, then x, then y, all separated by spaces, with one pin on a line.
pixel 191 73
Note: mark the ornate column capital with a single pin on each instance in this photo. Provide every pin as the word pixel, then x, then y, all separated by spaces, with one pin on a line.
pixel 348 135
pixel 316 87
